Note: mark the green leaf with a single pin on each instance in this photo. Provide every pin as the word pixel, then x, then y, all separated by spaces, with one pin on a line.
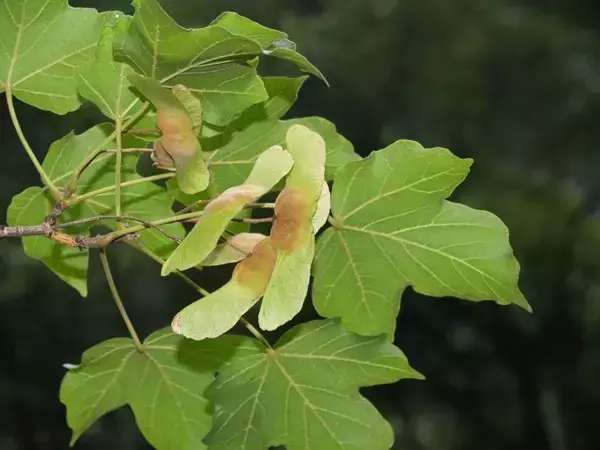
pixel 304 394
pixel 270 168
pixel 292 233
pixel 163 384
pixel 283 50
pixel 42 45
pixel 282 92
pixel 205 60
pixel 230 163
pixel 242 26
pixel 104 82
pixel 161 98
pixel 31 207
pixel 393 228
pixel 272 42
pixel 225 90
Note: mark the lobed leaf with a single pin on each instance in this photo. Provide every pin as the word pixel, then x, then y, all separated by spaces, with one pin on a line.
pixel 304 394
pixel 393 228
pixel 43 43
pixel 104 82
pixel 270 167
pixel 163 384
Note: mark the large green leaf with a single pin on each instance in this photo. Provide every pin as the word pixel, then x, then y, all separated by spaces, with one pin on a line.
pixel 42 45
pixel 230 163
pixel 104 81
pixel 272 42
pixel 205 60
pixel 31 207
pixel 304 393
pixel 225 90
pixel 163 385
pixel 394 229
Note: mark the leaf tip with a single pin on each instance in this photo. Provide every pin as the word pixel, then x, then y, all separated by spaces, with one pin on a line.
pixel 417 375
pixel 74 439
pixel 526 306
pixel 522 302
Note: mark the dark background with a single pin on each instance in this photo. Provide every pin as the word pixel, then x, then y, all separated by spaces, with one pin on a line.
pixel 514 85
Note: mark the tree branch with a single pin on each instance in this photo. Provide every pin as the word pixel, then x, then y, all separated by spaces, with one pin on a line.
pixel 49 230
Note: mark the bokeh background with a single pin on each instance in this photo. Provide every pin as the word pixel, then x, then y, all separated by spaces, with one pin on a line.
pixel 513 84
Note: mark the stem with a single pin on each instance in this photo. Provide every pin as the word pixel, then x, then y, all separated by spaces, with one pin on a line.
pixel 113 236
pixel 119 302
pixel 261 205
pixel 130 150
pixel 118 167
pixel 81 198
pixel 256 220
pixel 146 223
pixel 181 275
pixel 144 131
pixel 193 205
pixel 36 163
pixel 257 334
pixel 205 202
pixel 232 163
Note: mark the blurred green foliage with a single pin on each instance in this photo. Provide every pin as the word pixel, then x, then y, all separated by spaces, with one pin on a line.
pixel 513 84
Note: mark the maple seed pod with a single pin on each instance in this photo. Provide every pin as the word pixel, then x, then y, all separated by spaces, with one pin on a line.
pixel 178 147
pixel 235 249
pixel 293 231
pixel 218 312
pixel 173 121
pixel 191 104
pixel 270 167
